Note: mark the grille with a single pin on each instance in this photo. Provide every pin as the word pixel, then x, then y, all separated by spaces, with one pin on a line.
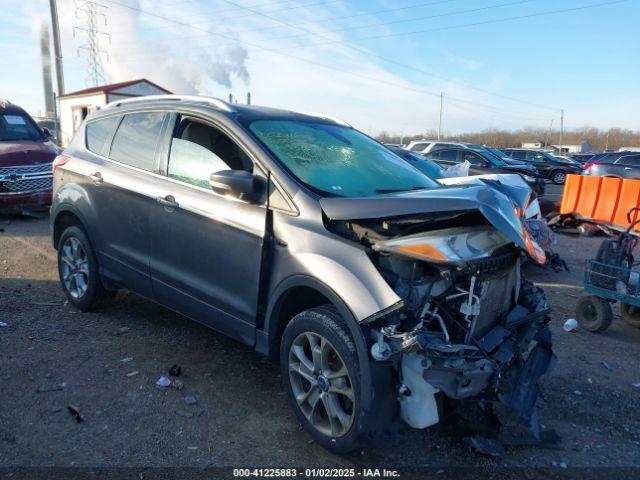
pixel 26 185
pixel 25 170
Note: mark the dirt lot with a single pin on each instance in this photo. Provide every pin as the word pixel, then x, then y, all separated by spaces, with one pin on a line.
pixel 52 356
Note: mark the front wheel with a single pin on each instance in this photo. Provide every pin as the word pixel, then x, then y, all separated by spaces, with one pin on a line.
pixel 558 177
pixel 630 314
pixel 78 270
pixel 319 367
pixel 594 313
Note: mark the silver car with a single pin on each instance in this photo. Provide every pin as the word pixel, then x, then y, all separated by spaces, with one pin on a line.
pixel 385 296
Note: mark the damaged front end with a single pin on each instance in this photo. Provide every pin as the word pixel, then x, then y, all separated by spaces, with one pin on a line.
pixel 470 327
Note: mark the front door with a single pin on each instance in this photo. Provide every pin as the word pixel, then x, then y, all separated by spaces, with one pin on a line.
pixel 206 249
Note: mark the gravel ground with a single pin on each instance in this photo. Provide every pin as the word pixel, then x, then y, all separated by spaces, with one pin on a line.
pixel 106 363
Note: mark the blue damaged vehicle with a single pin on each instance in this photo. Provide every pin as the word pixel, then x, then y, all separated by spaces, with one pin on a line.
pixel 386 297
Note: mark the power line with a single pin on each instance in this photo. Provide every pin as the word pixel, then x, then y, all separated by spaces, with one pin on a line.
pixel 333 68
pixel 395 62
pixel 474 24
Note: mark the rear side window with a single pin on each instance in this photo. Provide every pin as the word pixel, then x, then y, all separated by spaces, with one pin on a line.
pixel 448 155
pixel 136 140
pixel 418 147
pixel 631 160
pixel 99 132
pixel 517 154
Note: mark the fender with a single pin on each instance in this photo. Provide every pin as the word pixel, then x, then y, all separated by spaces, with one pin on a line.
pixel 72 198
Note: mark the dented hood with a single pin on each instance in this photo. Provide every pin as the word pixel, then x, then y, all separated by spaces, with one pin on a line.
pixel 500 210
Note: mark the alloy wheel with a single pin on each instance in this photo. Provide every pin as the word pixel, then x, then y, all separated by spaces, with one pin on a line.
pixel 75 267
pixel 321 384
pixel 559 177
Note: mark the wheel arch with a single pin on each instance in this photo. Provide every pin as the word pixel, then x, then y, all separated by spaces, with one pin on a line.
pixel 64 217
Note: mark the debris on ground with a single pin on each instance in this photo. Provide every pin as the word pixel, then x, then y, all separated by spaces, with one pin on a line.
pixel 190 400
pixel 485 446
pixel 52 388
pixel 163 382
pixel 184 413
pixel 133 374
pixel 577 393
pixel 75 411
pixel 3 324
pixel 637 385
pixel 175 370
pixel 571 325
pixel 126 359
pixel 122 330
pixel 606 365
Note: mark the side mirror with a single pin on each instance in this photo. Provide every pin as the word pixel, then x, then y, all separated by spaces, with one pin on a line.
pixel 47 133
pixel 239 184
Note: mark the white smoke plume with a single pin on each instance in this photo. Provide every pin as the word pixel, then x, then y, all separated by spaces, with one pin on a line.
pixel 167 55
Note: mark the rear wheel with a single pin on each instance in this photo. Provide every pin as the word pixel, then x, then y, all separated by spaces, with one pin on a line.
pixel 630 314
pixel 558 177
pixel 594 313
pixel 78 270
pixel 319 367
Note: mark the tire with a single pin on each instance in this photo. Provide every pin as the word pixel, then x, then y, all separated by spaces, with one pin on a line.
pixel 630 314
pixel 79 273
pixel 594 313
pixel 558 177
pixel 311 382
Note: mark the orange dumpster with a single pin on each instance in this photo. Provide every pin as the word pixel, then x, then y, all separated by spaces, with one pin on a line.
pixel 601 198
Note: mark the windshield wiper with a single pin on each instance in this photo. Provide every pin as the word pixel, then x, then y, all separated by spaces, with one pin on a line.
pixel 396 190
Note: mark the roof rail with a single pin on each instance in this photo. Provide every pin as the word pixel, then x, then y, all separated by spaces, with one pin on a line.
pixel 215 102
pixel 327 117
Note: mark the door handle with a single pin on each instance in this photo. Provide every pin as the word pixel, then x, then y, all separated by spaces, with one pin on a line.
pixel 169 203
pixel 627 168
pixel 96 178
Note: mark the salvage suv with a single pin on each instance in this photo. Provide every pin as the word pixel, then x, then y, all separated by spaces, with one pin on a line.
pixel 384 295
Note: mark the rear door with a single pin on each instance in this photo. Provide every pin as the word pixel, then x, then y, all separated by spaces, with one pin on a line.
pixel 123 187
pixel 206 248
pixel 627 166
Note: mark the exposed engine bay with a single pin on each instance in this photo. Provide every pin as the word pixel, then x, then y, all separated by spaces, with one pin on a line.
pixel 470 327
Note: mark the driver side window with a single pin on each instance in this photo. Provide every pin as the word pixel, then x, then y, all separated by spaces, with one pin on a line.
pixel 473 158
pixel 536 157
pixel 198 150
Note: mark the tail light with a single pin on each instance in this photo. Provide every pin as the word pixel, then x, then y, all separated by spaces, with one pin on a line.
pixel 59 161
pixel 588 165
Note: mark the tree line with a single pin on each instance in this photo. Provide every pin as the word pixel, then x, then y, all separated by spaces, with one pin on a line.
pixel 600 140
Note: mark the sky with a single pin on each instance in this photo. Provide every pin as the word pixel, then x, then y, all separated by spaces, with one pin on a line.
pixel 380 65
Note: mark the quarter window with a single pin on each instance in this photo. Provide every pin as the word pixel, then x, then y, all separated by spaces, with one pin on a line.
pixel 198 150
pixel 631 160
pixel 448 155
pixel 136 140
pixel 99 132
pixel 418 147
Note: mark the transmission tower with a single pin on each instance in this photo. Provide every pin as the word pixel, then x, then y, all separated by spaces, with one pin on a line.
pixel 93 16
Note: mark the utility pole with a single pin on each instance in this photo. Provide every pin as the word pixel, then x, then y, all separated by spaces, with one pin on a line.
pixel 57 50
pixel 606 147
pixel 546 141
pixel 440 122
pixel 561 128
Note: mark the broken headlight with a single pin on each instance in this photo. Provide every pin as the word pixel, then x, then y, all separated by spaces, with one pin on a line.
pixel 453 245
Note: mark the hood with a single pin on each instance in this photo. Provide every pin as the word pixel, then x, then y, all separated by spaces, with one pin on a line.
pixel 524 168
pixel 502 211
pixel 14 153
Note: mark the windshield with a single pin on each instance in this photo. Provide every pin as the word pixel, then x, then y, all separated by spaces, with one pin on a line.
pixel 498 153
pixel 16 126
pixel 336 160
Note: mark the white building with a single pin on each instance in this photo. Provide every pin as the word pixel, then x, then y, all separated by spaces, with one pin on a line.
pixel 629 149
pixel 75 106
pixel 582 147
pixel 533 145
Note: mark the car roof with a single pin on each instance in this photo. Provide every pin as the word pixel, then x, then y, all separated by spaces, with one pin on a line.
pixel 249 112
pixel 8 107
